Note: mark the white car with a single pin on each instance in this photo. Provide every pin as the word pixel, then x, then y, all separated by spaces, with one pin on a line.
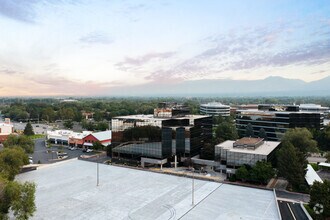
pixel 89 150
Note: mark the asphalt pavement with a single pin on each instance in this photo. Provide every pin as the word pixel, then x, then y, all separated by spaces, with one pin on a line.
pixel 45 155
pixel 292 196
pixel 291 211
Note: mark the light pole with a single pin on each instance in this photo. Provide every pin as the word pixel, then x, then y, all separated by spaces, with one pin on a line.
pixel 193 188
pixel 97 170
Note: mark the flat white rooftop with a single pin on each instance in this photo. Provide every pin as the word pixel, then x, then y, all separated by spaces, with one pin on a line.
pixel 67 190
pixel 312 176
pixel 266 148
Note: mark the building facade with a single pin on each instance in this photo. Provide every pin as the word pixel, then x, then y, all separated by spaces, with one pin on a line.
pixel 233 154
pixel 215 108
pixel 276 120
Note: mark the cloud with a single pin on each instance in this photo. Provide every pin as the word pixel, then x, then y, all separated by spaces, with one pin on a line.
pixel 9 72
pixel 18 10
pixel 132 62
pixel 247 50
pixel 96 38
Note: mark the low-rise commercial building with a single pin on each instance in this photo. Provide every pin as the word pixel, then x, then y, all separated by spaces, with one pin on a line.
pixel 6 128
pixel 233 154
pixel 104 137
pixel 83 139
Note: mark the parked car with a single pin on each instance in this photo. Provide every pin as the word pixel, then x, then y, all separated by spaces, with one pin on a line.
pixel 72 148
pixel 89 150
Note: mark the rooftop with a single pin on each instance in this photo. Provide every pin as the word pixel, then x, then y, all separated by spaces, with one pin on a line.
pixel 312 176
pixel 102 135
pixel 151 117
pixel 133 194
pixel 215 104
pixel 248 141
pixel 265 149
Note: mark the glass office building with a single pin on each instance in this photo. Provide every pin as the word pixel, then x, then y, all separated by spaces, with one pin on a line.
pixel 277 120
pixel 215 108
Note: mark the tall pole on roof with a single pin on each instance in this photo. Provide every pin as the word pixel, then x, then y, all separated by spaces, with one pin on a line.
pixel 97 170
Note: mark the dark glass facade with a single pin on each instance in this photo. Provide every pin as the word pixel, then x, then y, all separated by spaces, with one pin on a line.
pixel 166 142
pixel 276 123
pixel 180 141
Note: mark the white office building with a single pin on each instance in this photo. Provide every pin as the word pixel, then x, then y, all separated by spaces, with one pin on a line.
pixel 215 108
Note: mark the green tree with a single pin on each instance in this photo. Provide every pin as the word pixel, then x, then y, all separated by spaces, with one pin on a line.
pixel 28 130
pixel 320 194
pixel 242 173
pixel 23 206
pixel 262 171
pixel 102 126
pixel 327 156
pixel 262 134
pixel 68 124
pixel 302 139
pixel 226 131
pixel 97 145
pixel 11 161
pixel 291 164
pixel 20 140
pixel 249 131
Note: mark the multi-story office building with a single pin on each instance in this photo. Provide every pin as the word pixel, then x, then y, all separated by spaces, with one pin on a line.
pixel 232 154
pixel 170 109
pixel 215 108
pixel 313 108
pixel 184 135
pixel 276 120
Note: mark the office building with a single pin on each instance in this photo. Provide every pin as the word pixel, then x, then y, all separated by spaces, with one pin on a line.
pixel 215 108
pixel 233 154
pixel 276 120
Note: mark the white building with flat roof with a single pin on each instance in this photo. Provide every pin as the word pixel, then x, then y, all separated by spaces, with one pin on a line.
pixel 233 154
pixel 215 108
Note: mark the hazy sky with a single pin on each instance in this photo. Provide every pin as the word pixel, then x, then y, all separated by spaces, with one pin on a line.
pixel 81 47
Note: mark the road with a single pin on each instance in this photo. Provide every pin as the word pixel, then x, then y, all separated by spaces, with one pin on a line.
pixel 292 196
pixel 47 155
pixel 291 211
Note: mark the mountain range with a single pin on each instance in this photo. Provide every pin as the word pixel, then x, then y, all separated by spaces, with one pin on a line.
pixel 270 86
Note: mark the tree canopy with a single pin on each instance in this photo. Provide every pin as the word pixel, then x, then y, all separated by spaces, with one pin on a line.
pixel 20 140
pixel 291 164
pixel 320 199
pixel 11 161
pixel 226 131
pixel 302 139
pixel 28 130
pixel 261 172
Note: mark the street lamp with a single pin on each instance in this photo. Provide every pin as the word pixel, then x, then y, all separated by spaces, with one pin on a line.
pixel 193 188
pixel 97 168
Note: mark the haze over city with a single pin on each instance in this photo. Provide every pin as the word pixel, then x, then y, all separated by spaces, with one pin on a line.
pixel 127 47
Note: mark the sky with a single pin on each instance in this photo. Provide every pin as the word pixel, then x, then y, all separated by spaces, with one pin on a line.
pixel 96 47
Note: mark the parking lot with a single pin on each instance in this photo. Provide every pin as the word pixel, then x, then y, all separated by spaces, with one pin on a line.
pixel 46 155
